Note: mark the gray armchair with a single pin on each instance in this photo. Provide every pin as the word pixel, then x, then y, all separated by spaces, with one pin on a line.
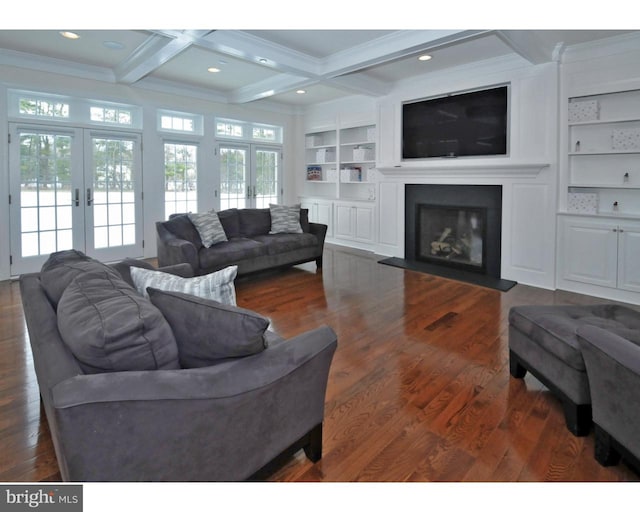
pixel 613 366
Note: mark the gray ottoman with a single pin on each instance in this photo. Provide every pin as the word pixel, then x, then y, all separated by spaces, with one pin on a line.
pixel 543 341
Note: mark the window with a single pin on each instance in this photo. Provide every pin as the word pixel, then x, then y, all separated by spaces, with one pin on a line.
pixel 180 178
pixel 72 111
pixel 179 122
pixel 229 129
pixel 40 107
pixel 248 131
pixel 111 115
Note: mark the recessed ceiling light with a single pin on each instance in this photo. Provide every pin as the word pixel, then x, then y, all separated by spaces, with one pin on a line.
pixel 263 61
pixel 69 35
pixel 213 70
pixel 424 57
pixel 301 91
pixel 113 45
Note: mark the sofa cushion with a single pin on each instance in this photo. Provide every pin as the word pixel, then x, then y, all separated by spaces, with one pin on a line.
pixel 285 219
pixel 209 227
pixel 287 242
pixel 231 252
pixel 182 227
pixel 62 267
pixel 207 331
pixel 254 221
pixel 109 327
pixel 230 221
pixel 217 285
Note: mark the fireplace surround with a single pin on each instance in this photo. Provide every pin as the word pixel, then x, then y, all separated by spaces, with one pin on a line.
pixel 456 226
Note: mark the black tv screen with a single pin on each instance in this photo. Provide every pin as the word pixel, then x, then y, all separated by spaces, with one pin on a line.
pixel 466 124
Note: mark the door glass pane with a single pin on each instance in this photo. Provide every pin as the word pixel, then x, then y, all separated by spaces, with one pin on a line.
pixel 45 192
pixel 180 178
pixel 233 178
pixel 266 178
pixel 113 191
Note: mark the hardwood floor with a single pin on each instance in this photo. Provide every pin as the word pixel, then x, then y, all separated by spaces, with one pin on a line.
pixel 419 388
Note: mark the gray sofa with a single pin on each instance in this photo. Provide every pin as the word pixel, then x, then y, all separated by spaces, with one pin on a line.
pixel 223 422
pixel 250 246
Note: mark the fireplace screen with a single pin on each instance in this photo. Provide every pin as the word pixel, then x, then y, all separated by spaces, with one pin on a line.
pixel 451 235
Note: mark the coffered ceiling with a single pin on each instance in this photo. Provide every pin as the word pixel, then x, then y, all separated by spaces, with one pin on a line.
pixel 272 65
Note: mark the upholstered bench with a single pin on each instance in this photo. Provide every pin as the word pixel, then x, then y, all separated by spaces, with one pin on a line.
pixel 543 341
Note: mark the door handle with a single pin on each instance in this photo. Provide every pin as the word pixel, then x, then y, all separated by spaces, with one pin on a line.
pixel 89 198
pixel 255 194
pixel 248 192
pixel 77 198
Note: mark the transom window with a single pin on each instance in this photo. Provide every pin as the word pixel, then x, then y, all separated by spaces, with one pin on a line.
pixel 111 115
pixel 248 131
pixel 39 107
pixel 180 122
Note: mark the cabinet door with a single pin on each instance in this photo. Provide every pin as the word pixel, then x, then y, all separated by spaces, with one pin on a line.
pixel 364 224
pixel 629 257
pixel 324 216
pixel 590 252
pixel 345 224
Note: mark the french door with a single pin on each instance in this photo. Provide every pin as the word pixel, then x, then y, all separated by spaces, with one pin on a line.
pixel 73 189
pixel 250 176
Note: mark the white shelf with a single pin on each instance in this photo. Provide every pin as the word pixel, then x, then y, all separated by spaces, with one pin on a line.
pixel 361 143
pixel 358 162
pixel 604 185
pixel 603 121
pixel 606 215
pixel 606 152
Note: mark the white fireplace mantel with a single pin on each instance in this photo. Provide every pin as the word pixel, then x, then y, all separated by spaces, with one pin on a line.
pixel 446 168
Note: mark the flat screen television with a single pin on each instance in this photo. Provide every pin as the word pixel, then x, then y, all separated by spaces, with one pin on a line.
pixel 466 124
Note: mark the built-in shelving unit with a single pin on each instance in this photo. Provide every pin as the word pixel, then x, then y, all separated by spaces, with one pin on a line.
pixel 600 226
pixel 340 188
pixel 604 154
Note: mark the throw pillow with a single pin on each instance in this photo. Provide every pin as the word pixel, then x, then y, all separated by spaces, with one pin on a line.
pixel 285 219
pixel 108 327
pixel 209 227
pixel 207 331
pixel 216 286
pixel 62 267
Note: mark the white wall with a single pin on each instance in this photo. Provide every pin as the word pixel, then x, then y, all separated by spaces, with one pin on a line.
pixel 152 157
pixel 528 174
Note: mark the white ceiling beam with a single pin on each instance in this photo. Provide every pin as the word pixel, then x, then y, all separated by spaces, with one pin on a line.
pixel 270 87
pixel 153 53
pixel 399 44
pixel 359 84
pixel 250 48
pixel 526 44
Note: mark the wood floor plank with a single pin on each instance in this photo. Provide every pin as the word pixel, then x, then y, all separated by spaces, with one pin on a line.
pixel 419 388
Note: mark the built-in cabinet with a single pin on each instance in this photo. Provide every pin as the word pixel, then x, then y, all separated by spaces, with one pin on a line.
pixel 340 162
pixel 339 182
pixel 599 223
pixel 601 251
pixel 604 153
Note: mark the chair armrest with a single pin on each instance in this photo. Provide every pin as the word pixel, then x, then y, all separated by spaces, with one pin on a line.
pixel 179 269
pixel 223 380
pixel 319 230
pixel 602 343
pixel 173 250
pixel 222 422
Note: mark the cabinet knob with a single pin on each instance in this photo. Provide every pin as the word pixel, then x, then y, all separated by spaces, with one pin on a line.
pixel 615 230
pixel 621 231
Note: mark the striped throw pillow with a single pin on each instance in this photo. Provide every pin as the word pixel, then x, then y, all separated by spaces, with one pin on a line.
pixel 285 219
pixel 209 227
pixel 216 286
